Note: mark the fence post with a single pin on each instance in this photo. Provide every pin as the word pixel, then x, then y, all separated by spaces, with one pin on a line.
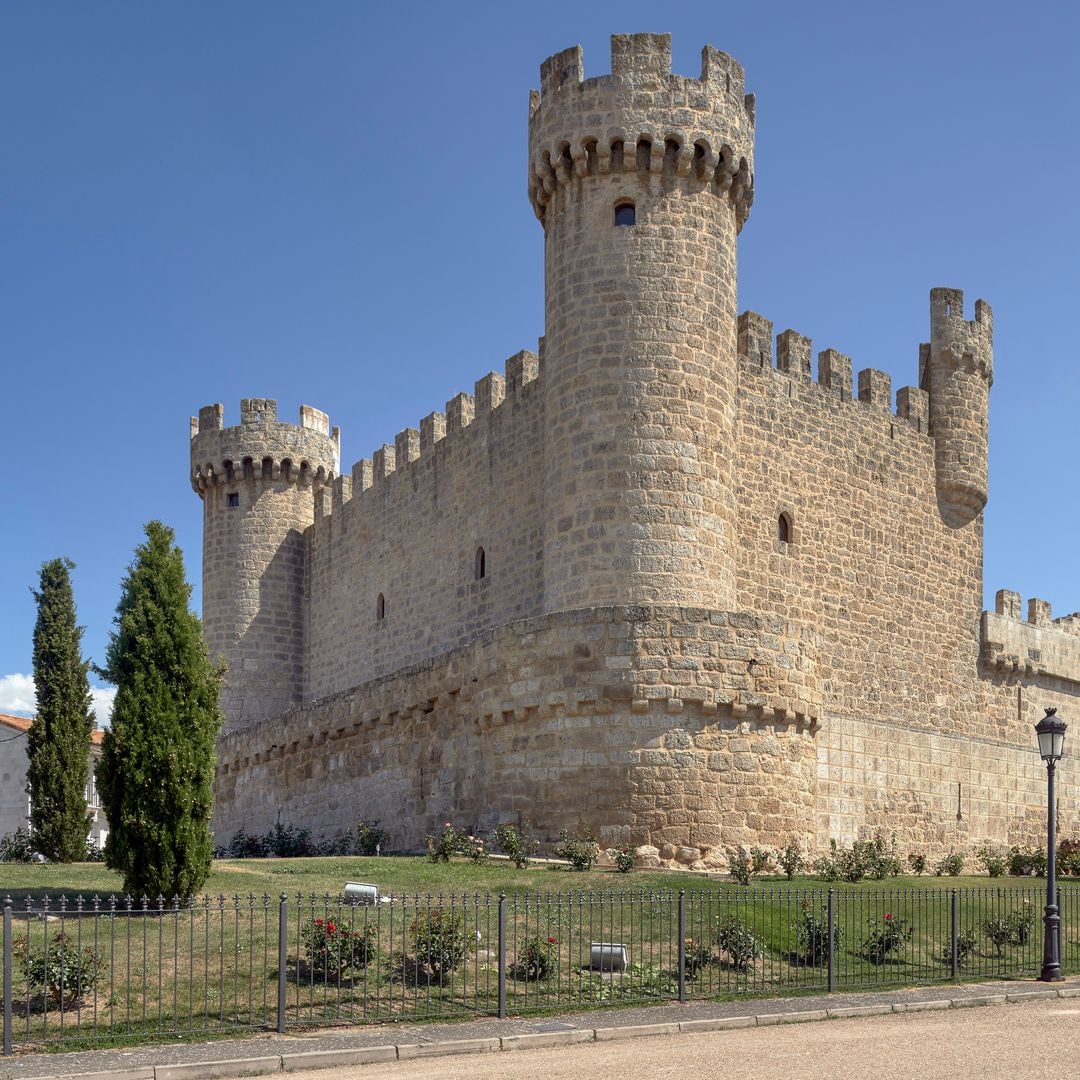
pixel 955 935
pixel 832 938
pixel 283 959
pixel 1060 930
pixel 7 976
pixel 502 956
pixel 682 944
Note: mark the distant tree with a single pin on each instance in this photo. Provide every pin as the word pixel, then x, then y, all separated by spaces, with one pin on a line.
pixel 58 742
pixel 157 766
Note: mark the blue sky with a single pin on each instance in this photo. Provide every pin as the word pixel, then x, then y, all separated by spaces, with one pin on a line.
pixel 326 203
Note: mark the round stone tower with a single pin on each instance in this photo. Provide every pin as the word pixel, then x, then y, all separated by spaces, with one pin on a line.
pixel 642 181
pixel 259 482
pixel 959 376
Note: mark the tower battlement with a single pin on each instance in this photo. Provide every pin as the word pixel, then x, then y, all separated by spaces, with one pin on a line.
pixel 641 119
pixel 261 447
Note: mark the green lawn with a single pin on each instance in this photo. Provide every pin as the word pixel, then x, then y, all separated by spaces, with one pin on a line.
pixel 412 874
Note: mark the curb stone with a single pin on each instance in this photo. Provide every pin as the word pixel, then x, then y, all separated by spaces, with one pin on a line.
pixel 635 1031
pixel 447 1046
pixel 211 1070
pixel 985 999
pixel 924 1006
pixel 721 1023
pixel 326 1059
pixel 537 1039
pixel 766 1019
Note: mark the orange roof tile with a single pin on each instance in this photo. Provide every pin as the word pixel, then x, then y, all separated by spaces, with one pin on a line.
pixel 22 723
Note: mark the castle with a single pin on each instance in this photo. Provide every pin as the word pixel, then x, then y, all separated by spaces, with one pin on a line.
pixel 647 580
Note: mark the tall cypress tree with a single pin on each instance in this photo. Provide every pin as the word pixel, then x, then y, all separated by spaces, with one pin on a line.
pixel 58 742
pixel 157 766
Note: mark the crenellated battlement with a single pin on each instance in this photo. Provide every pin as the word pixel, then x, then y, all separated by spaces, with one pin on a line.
pixel 490 394
pixel 964 343
pixel 1031 645
pixel 794 354
pixel 262 448
pixel 694 132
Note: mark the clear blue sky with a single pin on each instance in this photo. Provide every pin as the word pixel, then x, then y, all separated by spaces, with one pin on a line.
pixel 326 203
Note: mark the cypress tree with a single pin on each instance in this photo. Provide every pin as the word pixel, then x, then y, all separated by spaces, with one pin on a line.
pixel 58 742
pixel 157 767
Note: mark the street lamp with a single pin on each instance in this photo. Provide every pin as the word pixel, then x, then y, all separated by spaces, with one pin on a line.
pixel 1051 732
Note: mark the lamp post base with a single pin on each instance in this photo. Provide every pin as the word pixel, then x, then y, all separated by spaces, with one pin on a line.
pixel 1051 969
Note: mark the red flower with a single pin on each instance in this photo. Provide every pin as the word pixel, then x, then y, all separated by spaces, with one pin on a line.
pixel 331 927
pixel 553 941
pixel 318 922
pixel 888 916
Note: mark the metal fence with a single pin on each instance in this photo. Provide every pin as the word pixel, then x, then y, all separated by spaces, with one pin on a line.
pixel 83 973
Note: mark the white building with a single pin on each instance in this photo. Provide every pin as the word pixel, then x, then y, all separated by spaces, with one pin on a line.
pixel 14 800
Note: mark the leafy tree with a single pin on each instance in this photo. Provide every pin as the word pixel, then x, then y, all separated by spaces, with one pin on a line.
pixel 157 766
pixel 58 742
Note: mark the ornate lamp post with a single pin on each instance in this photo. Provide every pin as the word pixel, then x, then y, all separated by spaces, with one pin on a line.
pixel 1051 732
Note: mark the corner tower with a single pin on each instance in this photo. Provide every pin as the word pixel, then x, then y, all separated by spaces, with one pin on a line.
pixel 958 375
pixel 642 180
pixel 259 482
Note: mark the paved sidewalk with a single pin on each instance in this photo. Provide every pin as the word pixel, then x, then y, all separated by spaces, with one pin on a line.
pixel 271 1053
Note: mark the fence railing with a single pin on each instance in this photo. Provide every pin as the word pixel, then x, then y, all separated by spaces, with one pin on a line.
pixel 88 972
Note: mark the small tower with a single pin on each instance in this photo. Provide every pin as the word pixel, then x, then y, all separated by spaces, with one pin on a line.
pixel 642 180
pixel 958 375
pixel 259 482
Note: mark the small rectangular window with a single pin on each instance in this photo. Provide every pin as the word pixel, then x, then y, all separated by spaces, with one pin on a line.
pixel 233 498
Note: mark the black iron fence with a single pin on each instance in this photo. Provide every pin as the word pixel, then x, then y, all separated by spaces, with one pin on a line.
pixel 89 972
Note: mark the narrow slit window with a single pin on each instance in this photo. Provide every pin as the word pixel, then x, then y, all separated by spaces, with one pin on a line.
pixel 625 214
pixel 480 569
pixel 783 529
pixel 380 608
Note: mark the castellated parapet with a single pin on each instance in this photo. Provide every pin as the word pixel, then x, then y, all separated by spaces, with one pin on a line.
pixel 678 576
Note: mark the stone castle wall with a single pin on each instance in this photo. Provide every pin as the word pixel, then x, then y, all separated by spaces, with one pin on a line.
pixel 722 601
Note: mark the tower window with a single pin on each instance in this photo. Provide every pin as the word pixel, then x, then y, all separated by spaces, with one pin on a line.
pixel 625 213
pixel 380 608
pixel 783 529
pixel 232 499
pixel 480 570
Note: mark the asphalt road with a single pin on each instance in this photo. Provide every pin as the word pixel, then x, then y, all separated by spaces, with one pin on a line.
pixel 1038 1039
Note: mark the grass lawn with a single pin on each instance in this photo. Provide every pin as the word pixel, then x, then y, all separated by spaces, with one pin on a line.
pixel 416 875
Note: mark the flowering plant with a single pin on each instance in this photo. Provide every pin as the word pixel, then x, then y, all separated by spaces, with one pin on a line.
pixel 331 946
pixel 624 858
pixel 890 935
pixel 537 959
pixel 448 842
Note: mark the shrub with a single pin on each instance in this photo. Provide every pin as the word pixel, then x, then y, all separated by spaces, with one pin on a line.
pixel 743 864
pixel 60 969
pixel 917 863
pixel 16 846
pixel 1025 863
pixel 812 935
pixel 537 959
pixel 739 865
pixel 966 944
pixel 580 850
pixel 332 947
pixel 1020 921
pixel 472 847
pixel 439 939
pixel 951 865
pixel 516 843
pixel 1068 856
pixel 740 945
pixel 697 954
pixel 889 935
pixel 449 842
pixel 791 859
pixel 991 860
pixel 370 839
pixel 880 857
pixel 624 859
